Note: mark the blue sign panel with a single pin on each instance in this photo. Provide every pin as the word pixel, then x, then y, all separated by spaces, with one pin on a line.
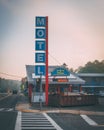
pixel 40 21
pixel 40 57
pixel 40 45
pixel 40 70
pixel 40 33
pixel 60 72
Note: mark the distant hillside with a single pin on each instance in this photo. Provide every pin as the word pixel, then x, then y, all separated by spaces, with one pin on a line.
pixel 9 85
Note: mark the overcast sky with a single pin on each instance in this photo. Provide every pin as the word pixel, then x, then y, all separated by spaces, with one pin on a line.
pixel 76 32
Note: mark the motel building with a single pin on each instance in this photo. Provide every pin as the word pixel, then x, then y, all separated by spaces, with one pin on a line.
pixel 53 85
pixel 64 87
pixel 94 83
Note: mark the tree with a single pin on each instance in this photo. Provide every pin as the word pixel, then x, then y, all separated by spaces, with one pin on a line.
pixel 92 67
pixel 71 69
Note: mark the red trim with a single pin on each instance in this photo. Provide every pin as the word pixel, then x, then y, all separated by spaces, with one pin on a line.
pixel 30 90
pixel 46 87
pixel 80 88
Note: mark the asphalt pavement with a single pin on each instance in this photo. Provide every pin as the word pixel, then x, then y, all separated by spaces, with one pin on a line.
pixel 75 122
pixel 8 113
pixel 7 120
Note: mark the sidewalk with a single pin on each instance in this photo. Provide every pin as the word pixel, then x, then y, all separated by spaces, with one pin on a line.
pixel 24 106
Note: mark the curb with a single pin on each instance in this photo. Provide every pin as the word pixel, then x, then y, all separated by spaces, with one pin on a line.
pixel 27 108
pixel 79 112
pixel 63 111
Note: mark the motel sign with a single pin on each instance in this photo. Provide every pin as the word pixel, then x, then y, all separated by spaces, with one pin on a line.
pixel 40 33
pixel 40 45
pixel 40 58
pixel 40 69
pixel 40 22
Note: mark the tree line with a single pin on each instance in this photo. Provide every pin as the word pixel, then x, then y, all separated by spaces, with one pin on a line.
pixel 90 67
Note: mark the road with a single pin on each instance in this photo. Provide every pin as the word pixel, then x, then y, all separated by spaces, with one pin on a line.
pixel 7 120
pixel 11 119
pixel 9 102
pixel 77 122
pixel 8 114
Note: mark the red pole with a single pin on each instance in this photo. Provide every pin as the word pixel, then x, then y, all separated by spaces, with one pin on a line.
pixel 46 87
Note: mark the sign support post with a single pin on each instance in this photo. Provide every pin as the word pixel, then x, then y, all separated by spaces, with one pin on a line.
pixel 46 86
pixel 40 99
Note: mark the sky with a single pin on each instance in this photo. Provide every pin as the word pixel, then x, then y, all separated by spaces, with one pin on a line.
pixel 76 32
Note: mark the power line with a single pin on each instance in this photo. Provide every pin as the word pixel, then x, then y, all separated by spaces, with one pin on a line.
pixel 16 76
pixel 55 59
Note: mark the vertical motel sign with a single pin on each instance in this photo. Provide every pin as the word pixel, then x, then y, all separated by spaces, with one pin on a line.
pixel 41 48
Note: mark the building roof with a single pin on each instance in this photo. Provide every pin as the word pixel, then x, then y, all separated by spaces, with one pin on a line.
pixel 72 78
pixel 93 86
pixel 90 74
